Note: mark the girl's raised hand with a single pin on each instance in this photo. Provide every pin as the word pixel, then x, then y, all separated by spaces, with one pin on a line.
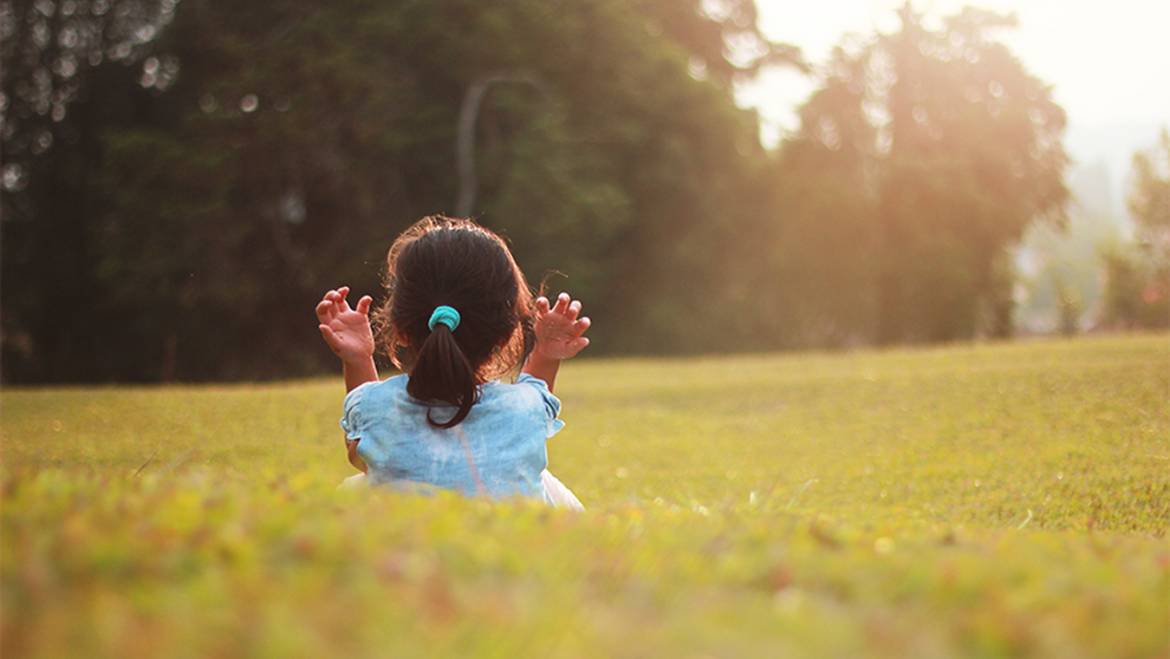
pixel 558 329
pixel 345 330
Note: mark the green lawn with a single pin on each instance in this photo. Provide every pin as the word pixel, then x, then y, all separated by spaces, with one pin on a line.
pixel 967 501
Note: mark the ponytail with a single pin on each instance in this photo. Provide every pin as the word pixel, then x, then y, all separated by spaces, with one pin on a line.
pixel 464 269
pixel 443 373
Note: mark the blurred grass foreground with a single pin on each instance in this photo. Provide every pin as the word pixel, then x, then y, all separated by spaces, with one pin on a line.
pixel 976 501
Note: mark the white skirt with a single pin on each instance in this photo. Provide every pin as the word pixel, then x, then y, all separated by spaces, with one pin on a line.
pixel 555 493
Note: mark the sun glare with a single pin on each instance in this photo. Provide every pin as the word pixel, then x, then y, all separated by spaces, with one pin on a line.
pixel 1106 61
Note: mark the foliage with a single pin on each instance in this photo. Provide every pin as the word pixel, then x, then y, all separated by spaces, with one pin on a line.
pixel 1138 275
pixel 183 181
pixel 1150 199
pixel 1058 265
pixel 69 70
pixel 919 162
pixel 293 140
pixel 1137 288
pixel 984 501
pixel 50 56
pixel 1070 308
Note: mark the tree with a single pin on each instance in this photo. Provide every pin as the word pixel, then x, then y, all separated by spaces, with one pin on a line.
pixel 947 149
pixel 826 236
pixel 1149 200
pixel 1138 276
pixel 292 140
pixel 69 70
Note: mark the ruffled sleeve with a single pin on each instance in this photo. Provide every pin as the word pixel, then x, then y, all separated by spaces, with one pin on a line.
pixel 351 417
pixel 552 404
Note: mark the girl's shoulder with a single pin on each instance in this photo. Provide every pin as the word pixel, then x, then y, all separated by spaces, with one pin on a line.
pixel 391 384
pixel 526 391
pixel 376 408
pixel 376 393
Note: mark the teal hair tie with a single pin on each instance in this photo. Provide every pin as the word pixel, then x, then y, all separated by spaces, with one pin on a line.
pixel 444 315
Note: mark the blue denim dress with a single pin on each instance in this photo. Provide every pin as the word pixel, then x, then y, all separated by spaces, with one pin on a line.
pixel 497 451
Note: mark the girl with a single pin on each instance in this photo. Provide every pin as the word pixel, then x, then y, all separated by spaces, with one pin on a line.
pixel 458 314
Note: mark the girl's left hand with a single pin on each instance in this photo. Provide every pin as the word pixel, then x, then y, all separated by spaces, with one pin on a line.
pixel 558 330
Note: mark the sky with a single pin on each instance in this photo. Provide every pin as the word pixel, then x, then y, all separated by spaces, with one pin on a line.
pixel 1108 62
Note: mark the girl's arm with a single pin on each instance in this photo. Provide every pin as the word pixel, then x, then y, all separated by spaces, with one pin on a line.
pixel 347 332
pixel 354 458
pixel 558 337
pixel 543 368
pixel 359 373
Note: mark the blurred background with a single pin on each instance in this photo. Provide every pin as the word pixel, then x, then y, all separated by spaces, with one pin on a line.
pixel 182 180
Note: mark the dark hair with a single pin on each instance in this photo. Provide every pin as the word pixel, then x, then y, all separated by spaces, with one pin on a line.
pixel 455 262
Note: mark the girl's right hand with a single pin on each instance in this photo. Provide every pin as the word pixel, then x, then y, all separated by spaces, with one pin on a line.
pixel 345 330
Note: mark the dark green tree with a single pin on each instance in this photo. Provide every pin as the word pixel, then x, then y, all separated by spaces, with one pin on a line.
pixel 68 71
pixel 254 154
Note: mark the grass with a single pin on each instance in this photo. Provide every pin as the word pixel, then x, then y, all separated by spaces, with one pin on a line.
pixel 990 500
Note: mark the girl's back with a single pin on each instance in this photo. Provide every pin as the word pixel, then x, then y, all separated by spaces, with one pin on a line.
pixel 497 450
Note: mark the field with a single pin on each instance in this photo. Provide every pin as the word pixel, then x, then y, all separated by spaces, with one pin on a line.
pixel 985 500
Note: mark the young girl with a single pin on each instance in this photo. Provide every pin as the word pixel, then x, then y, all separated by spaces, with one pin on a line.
pixel 458 315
